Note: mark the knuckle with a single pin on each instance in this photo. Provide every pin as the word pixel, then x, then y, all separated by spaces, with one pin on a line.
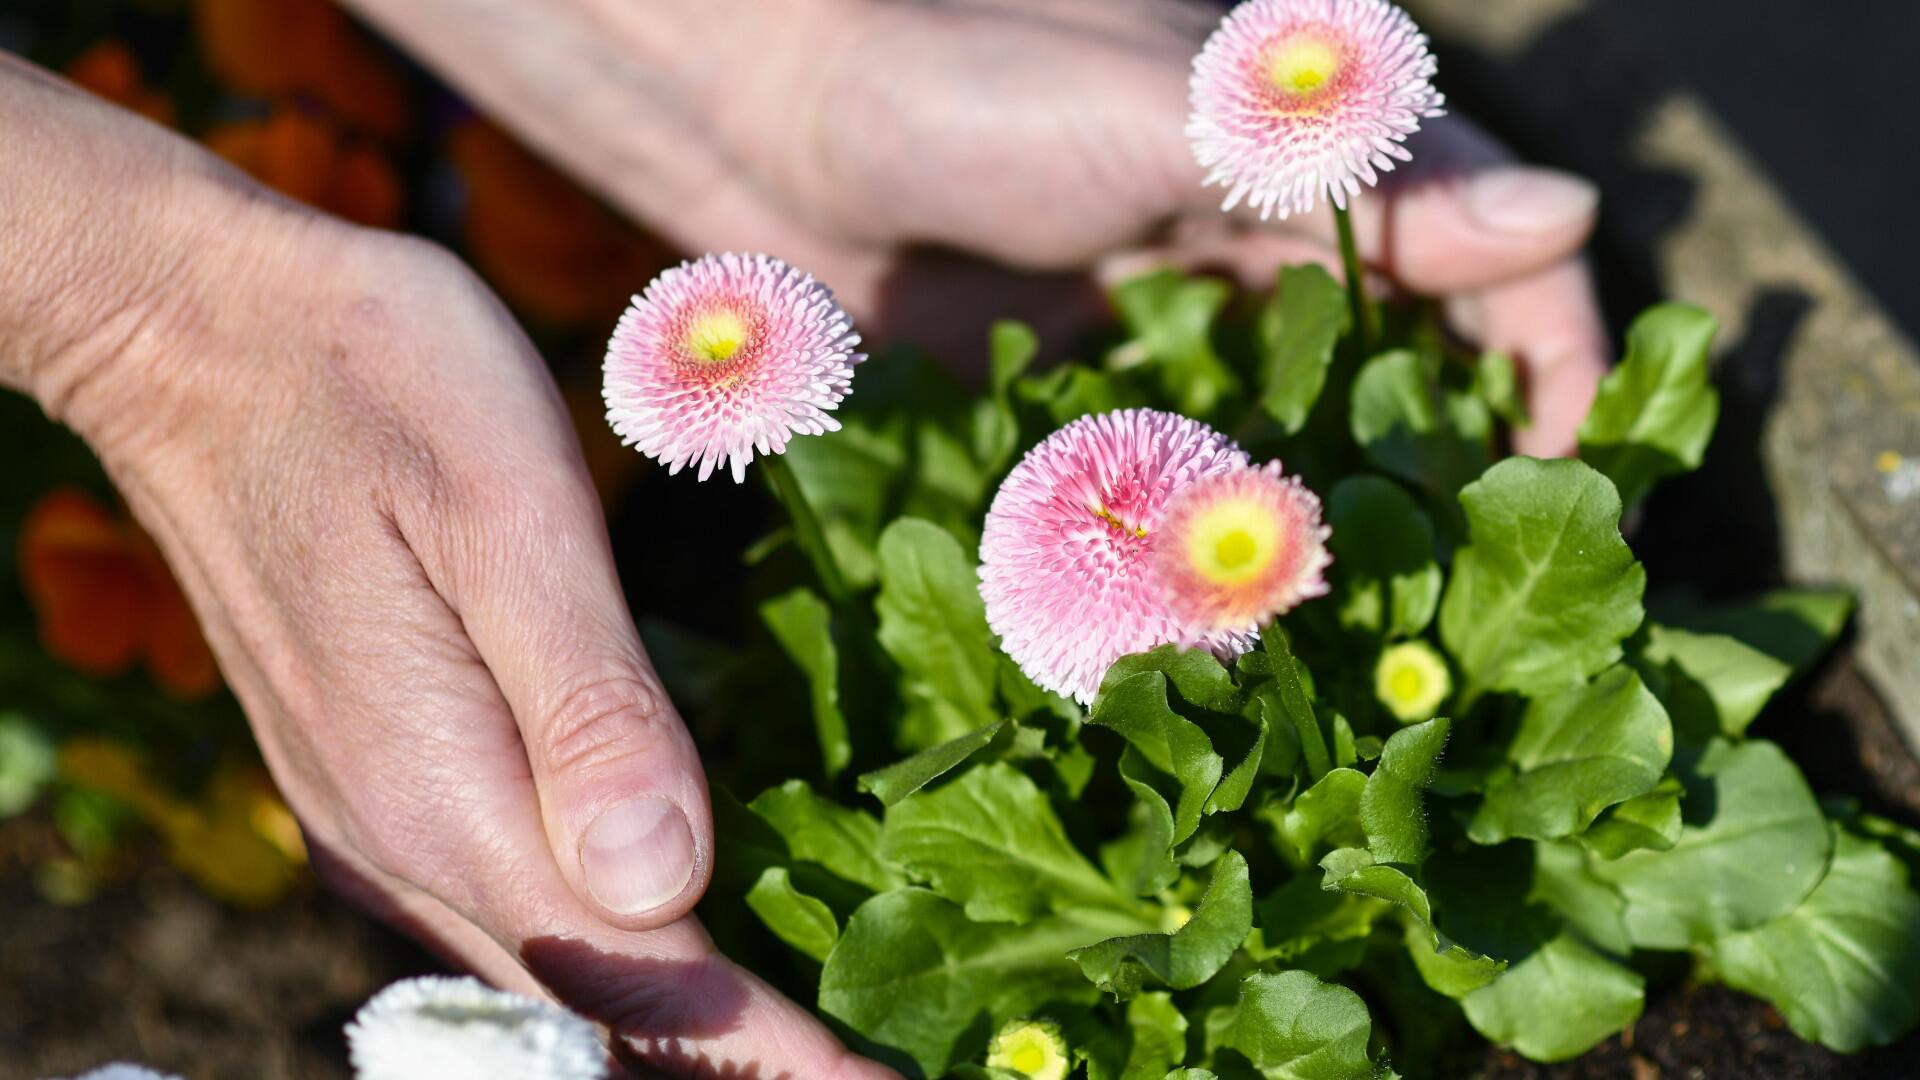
pixel 606 719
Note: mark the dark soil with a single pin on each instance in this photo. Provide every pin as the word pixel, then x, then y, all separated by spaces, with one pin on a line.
pixel 156 972
pixel 1706 1033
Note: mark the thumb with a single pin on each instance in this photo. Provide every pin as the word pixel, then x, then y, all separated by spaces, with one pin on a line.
pixel 622 794
pixel 1447 233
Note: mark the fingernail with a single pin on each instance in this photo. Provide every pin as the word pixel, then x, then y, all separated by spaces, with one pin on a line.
pixel 1520 199
pixel 637 855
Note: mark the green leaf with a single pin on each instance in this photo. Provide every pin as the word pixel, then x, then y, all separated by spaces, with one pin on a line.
pixel 1844 966
pixel 1794 626
pixel 1383 565
pixel 1300 917
pixel 1286 703
pixel 1155 1041
pixel 803 625
pixel 1327 813
pixel 1558 1002
pixel 1497 380
pixel 1292 1026
pixel 1451 969
pixel 1234 787
pixel 1011 347
pixel 1656 411
pixel 847 480
pixel 1392 810
pixel 990 840
pixel 798 919
pixel 1412 427
pixel 1299 328
pixel 1141 860
pixel 934 625
pixel 902 778
pixel 911 972
pixel 1136 707
pixel 1713 684
pixel 1576 753
pixel 817 830
pixel 1070 391
pixel 1170 316
pixel 1563 881
pixel 1190 955
pixel 1651 821
pixel 1547 589
pixel 1753 846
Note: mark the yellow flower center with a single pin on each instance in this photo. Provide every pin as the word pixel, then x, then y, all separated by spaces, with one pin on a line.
pixel 1301 66
pixel 1233 542
pixel 1411 680
pixel 1031 1048
pixel 716 336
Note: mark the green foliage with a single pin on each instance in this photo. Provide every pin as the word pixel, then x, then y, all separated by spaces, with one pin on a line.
pixel 1383 558
pixel 1844 966
pixel 991 841
pixel 1299 328
pixel 903 778
pixel 934 626
pixel 1547 589
pixel 1201 874
pixel 1189 955
pixel 911 971
pixel 1171 317
pixel 1753 845
pixel 802 624
pixel 1656 411
pixel 1292 1026
pixel 1576 753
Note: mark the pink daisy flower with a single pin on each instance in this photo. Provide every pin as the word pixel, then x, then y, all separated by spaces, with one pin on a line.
pixel 726 356
pixel 1235 549
pixel 1296 98
pixel 1066 557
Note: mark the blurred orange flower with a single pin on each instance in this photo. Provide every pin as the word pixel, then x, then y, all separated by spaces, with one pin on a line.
pixel 304 48
pixel 552 250
pixel 104 596
pixel 110 70
pixel 311 159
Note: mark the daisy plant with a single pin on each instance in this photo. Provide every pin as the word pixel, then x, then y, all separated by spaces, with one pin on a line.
pixel 1145 755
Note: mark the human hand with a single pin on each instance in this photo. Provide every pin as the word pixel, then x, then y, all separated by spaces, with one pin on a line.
pixel 870 141
pixel 367 484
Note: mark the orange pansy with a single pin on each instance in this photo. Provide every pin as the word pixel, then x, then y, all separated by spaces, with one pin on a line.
pixel 104 597
pixel 110 70
pixel 550 248
pixel 310 159
pixel 304 48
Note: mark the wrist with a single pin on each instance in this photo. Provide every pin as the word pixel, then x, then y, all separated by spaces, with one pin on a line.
pixel 110 231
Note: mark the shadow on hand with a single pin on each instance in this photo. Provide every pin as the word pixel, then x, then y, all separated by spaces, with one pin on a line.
pixel 658 1011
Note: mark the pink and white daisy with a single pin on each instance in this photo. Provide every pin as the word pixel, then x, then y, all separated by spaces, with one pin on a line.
pixel 1235 549
pixel 1066 557
pixel 726 356
pixel 1293 99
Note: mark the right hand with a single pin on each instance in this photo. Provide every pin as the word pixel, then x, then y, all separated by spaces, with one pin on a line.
pixel 365 480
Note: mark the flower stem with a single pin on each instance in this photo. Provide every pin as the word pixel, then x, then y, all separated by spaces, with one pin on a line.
pixel 806 529
pixel 1356 282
